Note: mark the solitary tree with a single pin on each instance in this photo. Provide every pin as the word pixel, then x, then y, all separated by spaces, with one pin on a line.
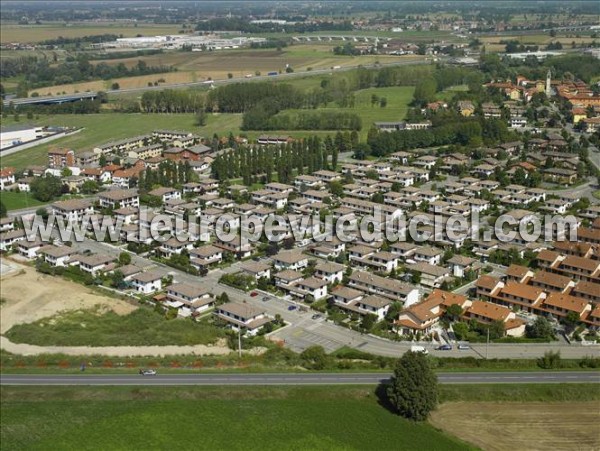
pixel 124 258
pixel 413 388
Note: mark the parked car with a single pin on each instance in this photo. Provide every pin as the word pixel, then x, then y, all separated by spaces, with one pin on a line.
pixel 253 294
pixel 316 316
pixel 265 298
pixel 464 347
pixel 148 372
pixel 444 348
pixel 292 307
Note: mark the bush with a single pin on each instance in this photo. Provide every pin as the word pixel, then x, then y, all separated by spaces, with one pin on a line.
pixel 550 360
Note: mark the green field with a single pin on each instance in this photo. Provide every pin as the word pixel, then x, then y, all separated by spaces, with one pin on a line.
pixel 269 418
pixel 101 128
pixel 142 327
pixel 15 201
pixel 104 127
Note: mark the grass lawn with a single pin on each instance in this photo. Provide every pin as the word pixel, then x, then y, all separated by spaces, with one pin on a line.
pixel 142 327
pixel 208 418
pixel 15 201
pixel 104 127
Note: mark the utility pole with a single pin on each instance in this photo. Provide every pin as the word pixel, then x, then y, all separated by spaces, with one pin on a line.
pixel 487 344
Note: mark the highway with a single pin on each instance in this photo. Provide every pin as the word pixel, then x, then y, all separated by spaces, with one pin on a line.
pixel 297 378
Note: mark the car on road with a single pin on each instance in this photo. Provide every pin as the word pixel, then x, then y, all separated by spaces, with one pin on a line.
pixel 292 307
pixel 253 294
pixel 316 316
pixel 444 348
pixel 265 298
pixel 464 347
pixel 148 372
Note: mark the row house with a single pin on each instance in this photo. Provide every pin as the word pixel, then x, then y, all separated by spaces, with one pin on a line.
pixel 424 316
pixel 29 249
pixel 431 275
pixel 330 271
pixel 487 313
pixel 293 260
pixel 391 288
pixel 146 152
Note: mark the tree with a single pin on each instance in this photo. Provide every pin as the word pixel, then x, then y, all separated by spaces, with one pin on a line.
pixel 550 360
pixel 115 86
pixel 368 321
pixel 541 328
pixel 571 321
pixel 46 188
pixel 124 258
pixel 413 389
pixel 314 358
pixel 425 91
pixel 454 311
pixel 3 211
pixel 201 118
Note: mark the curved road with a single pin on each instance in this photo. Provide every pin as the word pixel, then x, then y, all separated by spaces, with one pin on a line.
pixel 297 378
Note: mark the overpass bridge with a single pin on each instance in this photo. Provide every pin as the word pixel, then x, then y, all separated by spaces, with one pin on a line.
pixel 328 38
pixel 51 100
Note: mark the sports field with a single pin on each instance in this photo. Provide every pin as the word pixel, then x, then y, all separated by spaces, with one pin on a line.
pixel 272 418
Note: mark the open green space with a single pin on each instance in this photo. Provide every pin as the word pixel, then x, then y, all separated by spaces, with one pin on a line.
pixel 142 327
pixel 208 418
pixel 16 201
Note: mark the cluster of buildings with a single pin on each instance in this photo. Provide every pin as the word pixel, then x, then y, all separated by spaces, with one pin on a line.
pixel 179 41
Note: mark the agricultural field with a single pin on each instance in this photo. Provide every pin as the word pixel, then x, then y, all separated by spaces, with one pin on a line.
pixel 492 43
pixel 214 418
pixel 199 66
pixel 522 425
pixel 38 33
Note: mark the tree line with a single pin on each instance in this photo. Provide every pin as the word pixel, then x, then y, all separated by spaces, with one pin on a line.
pixel 39 72
pixel 259 119
pixel 254 163
pixel 172 101
pixel 168 173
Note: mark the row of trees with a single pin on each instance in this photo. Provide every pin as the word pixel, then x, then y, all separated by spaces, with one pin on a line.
pixel 172 101
pixel 300 157
pixel 168 173
pixel 259 119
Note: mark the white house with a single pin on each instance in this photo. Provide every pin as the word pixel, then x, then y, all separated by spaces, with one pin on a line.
pixel 190 299
pixel 330 271
pixel 72 210
pixel 147 282
pixel 242 316
pixel 56 255
pixel 293 260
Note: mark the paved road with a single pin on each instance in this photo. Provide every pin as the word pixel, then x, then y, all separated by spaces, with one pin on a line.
pixel 297 379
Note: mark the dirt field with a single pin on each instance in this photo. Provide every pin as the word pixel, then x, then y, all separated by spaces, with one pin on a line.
pixel 519 426
pixel 30 296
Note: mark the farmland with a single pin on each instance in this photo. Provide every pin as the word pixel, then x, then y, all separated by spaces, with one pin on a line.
pixel 522 425
pixel 198 66
pixel 37 33
pixel 214 418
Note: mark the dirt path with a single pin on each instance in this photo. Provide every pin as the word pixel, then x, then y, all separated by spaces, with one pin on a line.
pixel 28 296
pixel 513 426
